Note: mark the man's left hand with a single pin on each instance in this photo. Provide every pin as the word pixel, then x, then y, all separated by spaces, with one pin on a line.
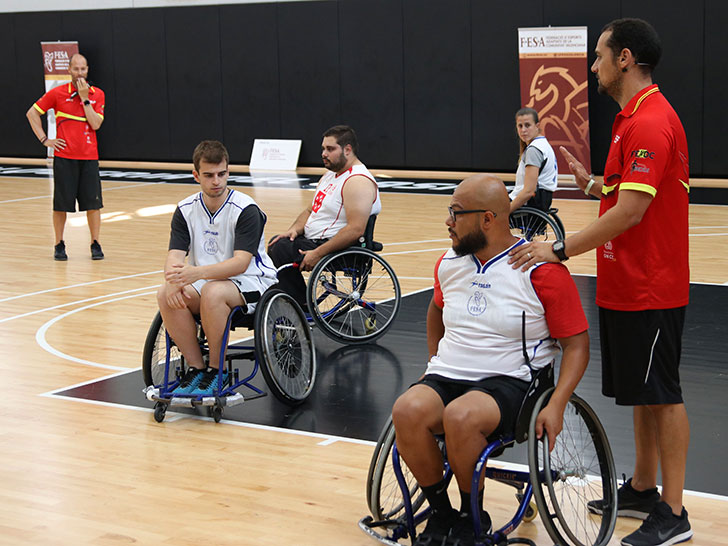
pixel 182 274
pixel 550 419
pixel 531 254
pixel 310 259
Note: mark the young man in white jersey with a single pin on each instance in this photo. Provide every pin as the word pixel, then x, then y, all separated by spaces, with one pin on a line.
pixel 476 378
pixel 345 198
pixel 220 231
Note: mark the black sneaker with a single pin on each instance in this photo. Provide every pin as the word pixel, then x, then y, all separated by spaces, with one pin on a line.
pixel 462 533
pixel 661 528
pixel 96 252
pixel 437 529
pixel 630 502
pixel 59 252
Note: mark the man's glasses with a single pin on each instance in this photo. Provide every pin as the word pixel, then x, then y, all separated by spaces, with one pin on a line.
pixel 454 213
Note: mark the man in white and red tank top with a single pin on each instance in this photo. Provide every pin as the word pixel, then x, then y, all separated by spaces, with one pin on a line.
pixel 345 198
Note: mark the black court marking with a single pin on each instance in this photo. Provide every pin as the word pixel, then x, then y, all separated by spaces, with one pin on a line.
pixel 357 385
pixel 444 186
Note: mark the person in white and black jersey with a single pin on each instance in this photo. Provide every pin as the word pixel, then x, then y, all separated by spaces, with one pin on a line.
pixel 220 232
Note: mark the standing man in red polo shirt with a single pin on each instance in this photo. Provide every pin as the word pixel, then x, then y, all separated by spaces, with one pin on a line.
pixel 79 111
pixel 643 279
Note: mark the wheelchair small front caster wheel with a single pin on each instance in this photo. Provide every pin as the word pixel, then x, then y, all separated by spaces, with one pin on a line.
pixel 160 410
pixel 216 412
pixel 531 512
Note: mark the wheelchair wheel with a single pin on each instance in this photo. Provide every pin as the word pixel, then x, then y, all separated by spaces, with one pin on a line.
pixel 536 225
pixel 384 496
pixel 353 295
pixel 154 355
pixel 578 470
pixel 284 346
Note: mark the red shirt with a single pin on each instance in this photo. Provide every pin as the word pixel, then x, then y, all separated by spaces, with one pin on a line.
pixel 646 267
pixel 71 124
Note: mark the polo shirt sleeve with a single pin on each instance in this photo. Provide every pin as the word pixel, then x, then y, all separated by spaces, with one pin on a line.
pixel 646 150
pixel 179 238
pixel 560 299
pixel 439 300
pixel 46 102
pixel 100 101
pixel 249 229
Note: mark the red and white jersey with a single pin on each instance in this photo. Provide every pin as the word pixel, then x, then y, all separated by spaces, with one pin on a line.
pixel 482 306
pixel 327 209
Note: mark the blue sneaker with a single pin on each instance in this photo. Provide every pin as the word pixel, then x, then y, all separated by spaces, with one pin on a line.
pixel 191 379
pixel 208 384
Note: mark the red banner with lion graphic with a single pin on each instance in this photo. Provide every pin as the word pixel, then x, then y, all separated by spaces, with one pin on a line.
pixel 553 67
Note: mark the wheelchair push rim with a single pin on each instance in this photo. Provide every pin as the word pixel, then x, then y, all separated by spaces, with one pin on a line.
pixel 285 348
pixel 536 225
pixel 353 296
pixel 578 470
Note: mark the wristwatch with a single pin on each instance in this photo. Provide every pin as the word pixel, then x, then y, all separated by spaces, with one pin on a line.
pixel 86 102
pixel 559 249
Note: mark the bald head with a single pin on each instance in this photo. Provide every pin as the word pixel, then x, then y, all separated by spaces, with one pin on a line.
pixel 77 57
pixel 484 191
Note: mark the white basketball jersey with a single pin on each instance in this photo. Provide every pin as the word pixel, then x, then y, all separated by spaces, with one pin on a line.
pixel 212 236
pixel 327 209
pixel 482 313
pixel 548 172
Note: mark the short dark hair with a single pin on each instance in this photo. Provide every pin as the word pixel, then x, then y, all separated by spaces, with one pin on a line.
pixel 528 112
pixel 210 151
pixel 344 135
pixel 639 37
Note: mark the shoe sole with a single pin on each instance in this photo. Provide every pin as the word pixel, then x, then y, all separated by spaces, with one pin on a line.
pixel 61 259
pixel 625 513
pixel 677 539
pixel 97 257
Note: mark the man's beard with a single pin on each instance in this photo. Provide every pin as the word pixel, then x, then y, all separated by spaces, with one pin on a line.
pixel 470 243
pixel 337 166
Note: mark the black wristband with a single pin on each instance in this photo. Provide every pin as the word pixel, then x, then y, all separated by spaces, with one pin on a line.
pixel 43 140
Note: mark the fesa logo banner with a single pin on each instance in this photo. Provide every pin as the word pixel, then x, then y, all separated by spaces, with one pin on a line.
pixel 57 59
pixel 554 72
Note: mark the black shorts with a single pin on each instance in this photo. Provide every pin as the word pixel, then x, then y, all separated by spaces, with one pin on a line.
pixel 641 355
pixel 76 180
pixel 507 392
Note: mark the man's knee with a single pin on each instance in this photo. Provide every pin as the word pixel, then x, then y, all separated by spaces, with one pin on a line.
pixel 280 251
pixel 414 409
pixel 466 416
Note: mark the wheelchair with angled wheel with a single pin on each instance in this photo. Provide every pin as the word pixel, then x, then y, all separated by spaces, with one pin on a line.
pixel 353 295
pixel 282 348
pixel 534 224
pixel 579 469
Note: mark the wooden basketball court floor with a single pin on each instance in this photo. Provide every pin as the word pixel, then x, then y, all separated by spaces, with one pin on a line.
pixel 83 461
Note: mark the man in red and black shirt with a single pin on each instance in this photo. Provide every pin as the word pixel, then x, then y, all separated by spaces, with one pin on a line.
pixel 643 279
pixel 79 109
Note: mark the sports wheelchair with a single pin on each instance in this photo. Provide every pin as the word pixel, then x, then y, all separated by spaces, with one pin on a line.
pixel 579 469
pixel 282 348
pixel 353 295
pixel 537 225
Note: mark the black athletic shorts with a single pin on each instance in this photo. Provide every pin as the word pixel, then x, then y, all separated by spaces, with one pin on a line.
pixel 508 393
pixel 76 180
pixel 641 355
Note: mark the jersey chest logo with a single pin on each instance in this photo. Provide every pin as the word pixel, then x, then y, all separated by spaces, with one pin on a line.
pixel 477 304
pixel 210 246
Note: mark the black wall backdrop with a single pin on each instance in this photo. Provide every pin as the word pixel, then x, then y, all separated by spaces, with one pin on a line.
pixel 430 84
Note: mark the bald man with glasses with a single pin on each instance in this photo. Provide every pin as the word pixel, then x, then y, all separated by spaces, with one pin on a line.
pixel 476 378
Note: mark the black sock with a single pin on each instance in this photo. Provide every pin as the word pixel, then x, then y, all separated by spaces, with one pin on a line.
pixel 437 496
pixel 465 501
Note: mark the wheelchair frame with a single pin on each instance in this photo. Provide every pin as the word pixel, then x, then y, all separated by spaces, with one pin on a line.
pixel 337 288
pixel 278 325
pixel 537 225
